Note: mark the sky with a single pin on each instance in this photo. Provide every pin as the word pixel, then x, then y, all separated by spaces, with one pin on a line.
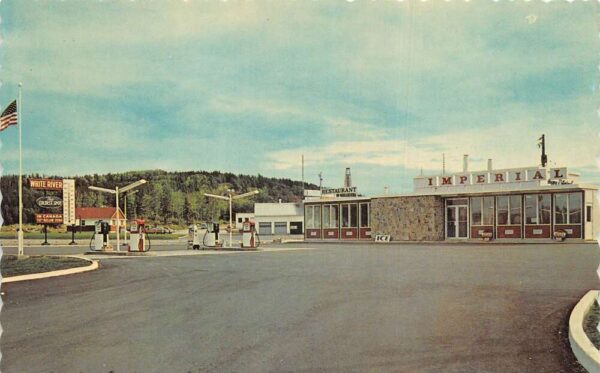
pixel 383 87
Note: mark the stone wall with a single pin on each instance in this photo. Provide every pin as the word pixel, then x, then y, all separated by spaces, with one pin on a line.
pixel 418 218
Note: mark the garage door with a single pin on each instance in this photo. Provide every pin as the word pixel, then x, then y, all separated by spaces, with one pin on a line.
pixel 280 227
pixel 264 228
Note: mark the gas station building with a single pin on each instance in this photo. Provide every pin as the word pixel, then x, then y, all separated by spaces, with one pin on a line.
pixel 523 204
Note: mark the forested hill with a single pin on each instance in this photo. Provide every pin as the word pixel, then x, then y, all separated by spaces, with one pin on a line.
pixel 168 197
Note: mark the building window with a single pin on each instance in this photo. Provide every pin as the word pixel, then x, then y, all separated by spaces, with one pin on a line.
pixel 567 208
pixel 313 217
pixel 537 209
pixel 508 210
pixel 239 220
pixel 364 215
pixel 482 211
pixel 330 216
pixel 588 213
pixel 326 215
pixel 349 215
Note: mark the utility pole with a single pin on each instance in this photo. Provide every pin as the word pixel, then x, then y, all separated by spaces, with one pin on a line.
pixel 542 144
pixel 320 180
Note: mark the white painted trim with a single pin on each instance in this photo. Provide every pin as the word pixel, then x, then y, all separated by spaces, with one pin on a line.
pixel 62 272
pixel 586 353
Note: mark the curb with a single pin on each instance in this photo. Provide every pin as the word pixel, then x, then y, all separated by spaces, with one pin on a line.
pixel 61 272
pixel 586 353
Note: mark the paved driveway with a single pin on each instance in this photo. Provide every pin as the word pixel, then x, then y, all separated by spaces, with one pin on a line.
pixel 408 308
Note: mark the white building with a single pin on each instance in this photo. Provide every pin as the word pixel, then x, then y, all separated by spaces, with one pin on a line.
pixel 242 217
pixel 279 218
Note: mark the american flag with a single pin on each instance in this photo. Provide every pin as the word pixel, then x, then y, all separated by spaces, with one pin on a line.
pixel 9 116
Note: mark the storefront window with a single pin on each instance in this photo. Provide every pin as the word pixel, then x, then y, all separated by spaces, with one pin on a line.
pixel 317 217
pixel 561 210
pixel 515 210
pixel 345 216
pixel 482 211
pixel 334 216
pixel 567 208
pixel 308 217
pixel 364 215
pixel 326 214
pixel 476 211
pixel 537 209
pixel 353 215
pixel 502 202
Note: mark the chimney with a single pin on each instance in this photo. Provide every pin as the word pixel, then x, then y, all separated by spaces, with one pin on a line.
pixel 465 163
pixel 279 200
pixel 489 164
pixel 385 190
pixel 348 178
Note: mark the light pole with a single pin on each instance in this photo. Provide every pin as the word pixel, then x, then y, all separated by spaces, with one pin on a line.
pixel 116 193
pixel 230 197
pixel 126 194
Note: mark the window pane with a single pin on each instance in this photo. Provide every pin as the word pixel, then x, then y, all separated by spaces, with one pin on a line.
pixel 364 215
pixel 515 209
pixel 488 210
pixel 545 208
pixel 560 208
pixel 530 209
pixel 588 213
pixel 476 211
pixel 317 217
pixel 325 216
pixel 575 208
pixel 353 215
pixel 309 217
pixel 502 202
pixel 458 201
pixel 345 218
pixel 334 216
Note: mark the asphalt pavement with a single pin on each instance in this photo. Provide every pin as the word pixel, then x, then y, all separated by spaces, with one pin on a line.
pixel 336 308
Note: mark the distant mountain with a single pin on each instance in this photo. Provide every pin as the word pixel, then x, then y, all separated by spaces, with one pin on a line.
pixel 168 197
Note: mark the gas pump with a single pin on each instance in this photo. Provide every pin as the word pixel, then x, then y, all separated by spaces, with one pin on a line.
pixel 211 237
pixel 250 238
pixel 194 237
pixel 100 237
pixel 138 239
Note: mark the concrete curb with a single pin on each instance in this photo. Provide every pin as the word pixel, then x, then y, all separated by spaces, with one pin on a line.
pixel 586 353
pixel 62 272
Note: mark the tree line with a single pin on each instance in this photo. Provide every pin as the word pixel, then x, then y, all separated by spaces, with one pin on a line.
pixel 167 197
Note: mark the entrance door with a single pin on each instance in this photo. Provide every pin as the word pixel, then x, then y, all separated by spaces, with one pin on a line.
pixel 457 223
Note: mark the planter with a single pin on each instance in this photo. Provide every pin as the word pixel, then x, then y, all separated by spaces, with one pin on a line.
pixel 486 236
pixel 560 235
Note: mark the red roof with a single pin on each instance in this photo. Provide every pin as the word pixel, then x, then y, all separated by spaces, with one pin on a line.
pixel 96 213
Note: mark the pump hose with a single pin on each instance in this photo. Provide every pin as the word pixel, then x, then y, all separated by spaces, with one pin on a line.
pixel 204 239
pixel 257 240
pixel 149 242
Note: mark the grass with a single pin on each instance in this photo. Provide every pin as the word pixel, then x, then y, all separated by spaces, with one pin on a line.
pixel 78 236
pixel 589 325
pixel 11 266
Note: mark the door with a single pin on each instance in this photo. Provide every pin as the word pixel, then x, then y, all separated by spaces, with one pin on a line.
pixel 457 222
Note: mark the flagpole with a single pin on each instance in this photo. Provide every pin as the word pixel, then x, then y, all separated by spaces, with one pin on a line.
pixel 20 124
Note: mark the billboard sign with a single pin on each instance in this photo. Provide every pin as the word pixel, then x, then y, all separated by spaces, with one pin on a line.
pixel 49 202
pixel 46 184
pixel 49 218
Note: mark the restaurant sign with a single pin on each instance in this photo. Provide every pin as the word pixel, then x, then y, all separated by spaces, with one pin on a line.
pixel 49 218
pixel 340 192
pixel 46 184
pixel 49 202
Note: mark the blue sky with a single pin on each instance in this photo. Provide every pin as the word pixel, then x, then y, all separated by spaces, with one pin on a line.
pixel 249 86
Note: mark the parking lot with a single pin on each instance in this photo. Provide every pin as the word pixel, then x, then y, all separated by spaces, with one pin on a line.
pixel 417 308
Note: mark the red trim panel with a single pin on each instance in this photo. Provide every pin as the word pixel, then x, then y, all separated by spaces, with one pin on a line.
pixel 313 234
pixel 508 231
pixel 537 231
pixel 349 233
pixel 477 230
pixel 365 233
pixel 331 233
pixel 573 230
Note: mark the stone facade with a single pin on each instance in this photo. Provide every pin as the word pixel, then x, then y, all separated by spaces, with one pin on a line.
pixel 409 218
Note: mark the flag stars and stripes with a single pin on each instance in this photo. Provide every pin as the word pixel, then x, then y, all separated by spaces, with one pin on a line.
pixel 9 116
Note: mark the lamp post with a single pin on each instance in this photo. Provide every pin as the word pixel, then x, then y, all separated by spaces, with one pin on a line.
pixel 230 197
pixel 116 193
pixel 126 194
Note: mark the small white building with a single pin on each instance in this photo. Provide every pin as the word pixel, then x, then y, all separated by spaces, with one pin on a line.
pixel 279 218
pixel 242 217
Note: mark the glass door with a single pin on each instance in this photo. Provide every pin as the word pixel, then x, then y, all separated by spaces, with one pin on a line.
pixel 457 222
